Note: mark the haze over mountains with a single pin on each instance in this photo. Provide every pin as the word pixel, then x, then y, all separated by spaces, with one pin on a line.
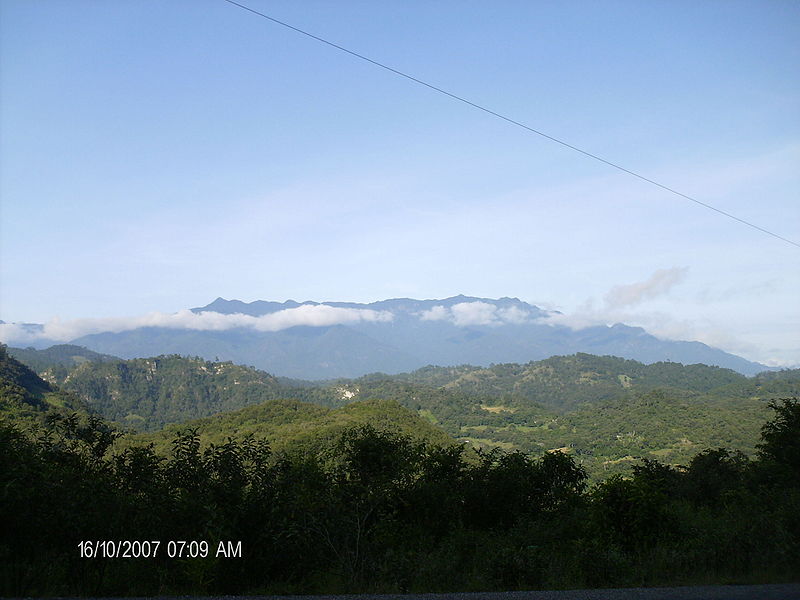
pixel 319 340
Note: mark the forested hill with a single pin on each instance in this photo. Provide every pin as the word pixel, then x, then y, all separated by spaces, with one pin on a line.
pixel 608 425
pixel 17 374
pixel 562 383
pixel 54 363
pixel 606 411
pixel 300 426
pixel 24 396
pixel 148 393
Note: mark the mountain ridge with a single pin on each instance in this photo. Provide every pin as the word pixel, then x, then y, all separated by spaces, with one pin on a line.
pixel 326 340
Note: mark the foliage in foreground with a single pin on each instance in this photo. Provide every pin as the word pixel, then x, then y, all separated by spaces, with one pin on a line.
pixel 378 511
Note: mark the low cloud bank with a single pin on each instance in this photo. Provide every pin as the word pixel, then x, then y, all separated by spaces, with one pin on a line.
pixel 476 313
pixel 310 315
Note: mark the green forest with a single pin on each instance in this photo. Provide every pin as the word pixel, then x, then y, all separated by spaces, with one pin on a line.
pixel 606 412
pixel 369 485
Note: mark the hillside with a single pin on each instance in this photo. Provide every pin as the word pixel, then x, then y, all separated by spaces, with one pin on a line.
pixel 606 411
pixel 562 383
pixel 347 488
pixel 609 436
pixel 289 425
pixel 320 500
pixel 147 394
pixel 26 399
pixel 54 363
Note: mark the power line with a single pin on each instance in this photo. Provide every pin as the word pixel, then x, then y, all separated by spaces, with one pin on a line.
pixel 510 120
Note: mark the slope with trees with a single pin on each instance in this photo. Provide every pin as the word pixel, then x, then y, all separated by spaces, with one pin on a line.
pixel 606 411
pixel 147 394
pixel 374 510
pixel 564 382
pixel 27 399
pixel 290 425
pixel 53 364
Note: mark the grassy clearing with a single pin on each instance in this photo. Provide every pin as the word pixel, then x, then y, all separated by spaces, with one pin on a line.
pixel 498 409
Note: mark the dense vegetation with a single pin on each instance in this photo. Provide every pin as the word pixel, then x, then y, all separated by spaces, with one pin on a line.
pixel 292 426
pixel 28 399
pixel 561 383
pixel 54 363
pixel 149 393
pixel 377 511
pixel 606 412
pixel 368 497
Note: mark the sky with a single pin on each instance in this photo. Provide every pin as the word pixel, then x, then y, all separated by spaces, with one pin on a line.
pixel 156 155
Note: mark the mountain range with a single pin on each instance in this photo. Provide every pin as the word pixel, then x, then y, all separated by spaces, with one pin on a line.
pixel 324 340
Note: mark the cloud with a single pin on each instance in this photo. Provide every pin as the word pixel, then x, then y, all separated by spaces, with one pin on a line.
pixel 659 283
pixel 618 302
pixel 319 315
pixel 313 315
pixel 513 314
pixel 437 313
pixel 621 305
pixel 585 316
pixel 476 313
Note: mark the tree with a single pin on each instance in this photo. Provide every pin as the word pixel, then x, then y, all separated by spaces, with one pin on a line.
pixel 712 473
pixel 780 439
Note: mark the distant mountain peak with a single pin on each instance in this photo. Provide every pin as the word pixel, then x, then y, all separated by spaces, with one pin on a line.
pixel 318 340
pixel 400 305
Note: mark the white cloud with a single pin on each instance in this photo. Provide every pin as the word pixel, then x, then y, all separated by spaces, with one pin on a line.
pixel 773 345
pixel 618 302
pixel 658 284
pixel 578 320
pixel 513 314
pixel 437 313
pixel 310 315
pixel 476 313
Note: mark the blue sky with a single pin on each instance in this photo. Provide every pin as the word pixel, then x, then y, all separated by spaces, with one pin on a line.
pixel 156 155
